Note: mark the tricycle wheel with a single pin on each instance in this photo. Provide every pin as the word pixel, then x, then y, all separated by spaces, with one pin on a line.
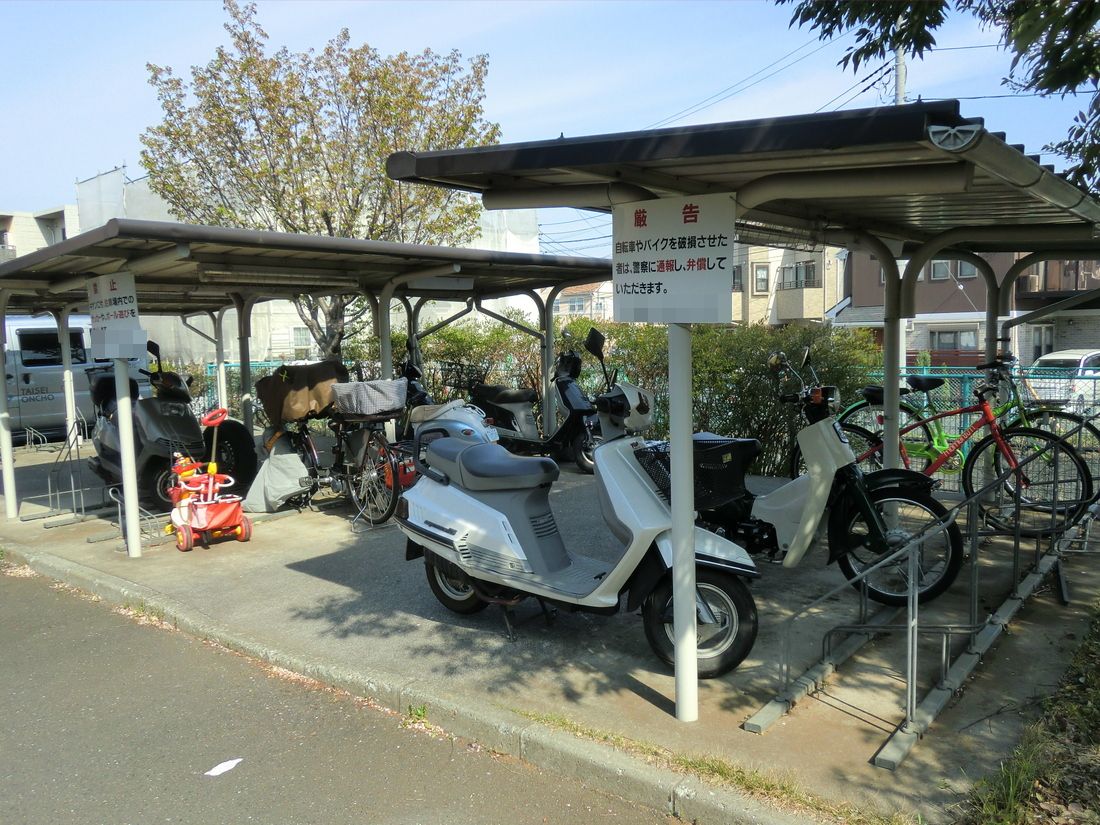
pixel 721 647
pixel 184 540
pixel 244 530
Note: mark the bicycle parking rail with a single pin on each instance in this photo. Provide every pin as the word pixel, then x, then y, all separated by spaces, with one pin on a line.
pixel 980 633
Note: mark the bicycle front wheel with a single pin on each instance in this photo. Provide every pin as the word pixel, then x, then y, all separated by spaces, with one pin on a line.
pixel 1054 485
pixel 374 487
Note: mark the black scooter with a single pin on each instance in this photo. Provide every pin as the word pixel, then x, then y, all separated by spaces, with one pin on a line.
pixel 163 425
pixel 512 412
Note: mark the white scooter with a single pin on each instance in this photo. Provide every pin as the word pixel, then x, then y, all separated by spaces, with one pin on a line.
pixel 481 519
pixel 869 515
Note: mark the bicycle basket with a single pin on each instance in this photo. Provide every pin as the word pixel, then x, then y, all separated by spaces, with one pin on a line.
pixel 461 376
pixel 370 400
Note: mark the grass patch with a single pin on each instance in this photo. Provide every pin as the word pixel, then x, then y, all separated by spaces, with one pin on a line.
pixel 1053 775
pixel 716 770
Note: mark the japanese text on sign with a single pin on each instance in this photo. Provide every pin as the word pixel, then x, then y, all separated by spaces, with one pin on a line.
pixel 116 325
pixel 688 242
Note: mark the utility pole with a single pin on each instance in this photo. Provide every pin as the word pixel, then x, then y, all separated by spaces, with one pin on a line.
pixel 899 77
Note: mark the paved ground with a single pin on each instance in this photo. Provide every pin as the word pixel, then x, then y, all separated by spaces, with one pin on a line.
pixel 314 592
pixel 106 720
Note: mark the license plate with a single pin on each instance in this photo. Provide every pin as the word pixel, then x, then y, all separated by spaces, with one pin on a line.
pixel 491 433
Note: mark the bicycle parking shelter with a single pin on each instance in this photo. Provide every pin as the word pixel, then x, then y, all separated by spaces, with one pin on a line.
pixel 194 271
pixel 911 182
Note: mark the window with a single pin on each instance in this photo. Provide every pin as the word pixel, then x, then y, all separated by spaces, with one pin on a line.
pixel 941 270
pixel 953 339
pixel 572 305
pixel 785 279
pixel 737 284
pixel 759 277
pixel 805 273
pixel 42 349
pixel 303 343
pixel 1042 340
pixel 967 270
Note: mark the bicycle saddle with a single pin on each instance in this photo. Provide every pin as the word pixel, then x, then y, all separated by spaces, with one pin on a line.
pixel 924 383
pixel 873 394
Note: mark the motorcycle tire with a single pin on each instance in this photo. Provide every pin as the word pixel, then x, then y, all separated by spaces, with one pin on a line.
pixel 236 454
pixel 584 451
pixel 154 482
pixel 941 555
pixel 453 591
pixel 719 651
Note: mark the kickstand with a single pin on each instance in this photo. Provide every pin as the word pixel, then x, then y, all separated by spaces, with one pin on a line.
pixel 507 612
pixel 549 612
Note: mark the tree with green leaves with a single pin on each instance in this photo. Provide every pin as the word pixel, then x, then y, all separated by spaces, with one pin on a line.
pixel 297 142
pixel 1055 46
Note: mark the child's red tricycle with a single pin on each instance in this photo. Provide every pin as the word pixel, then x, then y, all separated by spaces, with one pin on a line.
pixel 199 512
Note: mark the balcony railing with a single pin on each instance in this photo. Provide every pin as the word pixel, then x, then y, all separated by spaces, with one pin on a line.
pixel 810 283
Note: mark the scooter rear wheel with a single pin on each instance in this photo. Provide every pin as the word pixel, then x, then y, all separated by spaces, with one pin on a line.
pixel 453 591
pixel 721 648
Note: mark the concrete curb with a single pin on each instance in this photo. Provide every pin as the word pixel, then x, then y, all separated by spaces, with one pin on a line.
pixel 598 766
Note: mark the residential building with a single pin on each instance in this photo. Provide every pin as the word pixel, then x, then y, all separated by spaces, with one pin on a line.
pixel 949 324
pixel 593 301
pixel 786 286
pixel 24 232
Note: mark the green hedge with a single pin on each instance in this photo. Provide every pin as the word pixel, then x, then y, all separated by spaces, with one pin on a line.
pixel 734 393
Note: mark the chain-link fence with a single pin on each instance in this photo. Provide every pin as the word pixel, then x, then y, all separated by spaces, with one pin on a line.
pixel 1051 399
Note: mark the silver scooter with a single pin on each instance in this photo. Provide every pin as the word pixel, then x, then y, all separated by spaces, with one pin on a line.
pixel 481 519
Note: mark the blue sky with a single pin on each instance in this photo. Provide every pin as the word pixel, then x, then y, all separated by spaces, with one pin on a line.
pixel 76 96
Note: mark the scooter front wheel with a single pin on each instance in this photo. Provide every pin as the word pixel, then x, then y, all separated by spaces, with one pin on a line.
pixel 452 587
pixel 722 646
pixel 907 514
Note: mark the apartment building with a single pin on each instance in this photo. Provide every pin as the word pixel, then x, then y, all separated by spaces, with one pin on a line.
pixel 950 301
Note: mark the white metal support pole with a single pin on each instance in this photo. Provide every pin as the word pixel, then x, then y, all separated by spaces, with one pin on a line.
pixel 219 355
pixel 549 402
pixel 71 435
pixel 7 457
pixel 244 305
pixel 683 522
pixel 124 414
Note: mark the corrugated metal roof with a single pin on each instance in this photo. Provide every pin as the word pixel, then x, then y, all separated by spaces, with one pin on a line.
pixel 184 268
pixel 1003 186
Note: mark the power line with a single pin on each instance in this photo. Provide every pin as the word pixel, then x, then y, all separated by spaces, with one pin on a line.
pixel 885 67
pixel 730 91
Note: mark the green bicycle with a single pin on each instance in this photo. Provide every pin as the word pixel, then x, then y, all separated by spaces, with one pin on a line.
pixel 925 438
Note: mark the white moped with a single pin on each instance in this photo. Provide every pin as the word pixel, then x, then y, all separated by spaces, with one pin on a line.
pixel 481 519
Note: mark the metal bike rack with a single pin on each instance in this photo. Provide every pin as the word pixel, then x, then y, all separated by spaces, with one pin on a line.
pixel 841 642
pixel 66 493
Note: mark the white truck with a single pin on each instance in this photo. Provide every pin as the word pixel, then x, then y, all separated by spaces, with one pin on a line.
pixel 35 386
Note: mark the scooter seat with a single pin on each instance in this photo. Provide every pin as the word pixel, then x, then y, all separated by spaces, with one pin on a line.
pixel 874 394
pixel 426 412
pixel 499 394
pixel 488 466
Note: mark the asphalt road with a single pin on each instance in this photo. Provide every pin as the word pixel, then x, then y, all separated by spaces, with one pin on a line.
pixel 104 719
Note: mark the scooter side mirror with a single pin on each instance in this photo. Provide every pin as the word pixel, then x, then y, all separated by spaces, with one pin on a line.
pixel 805 358
pixel 153 348
pixel 594 343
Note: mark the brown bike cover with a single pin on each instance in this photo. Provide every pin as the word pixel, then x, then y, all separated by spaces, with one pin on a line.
pixel 293 393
